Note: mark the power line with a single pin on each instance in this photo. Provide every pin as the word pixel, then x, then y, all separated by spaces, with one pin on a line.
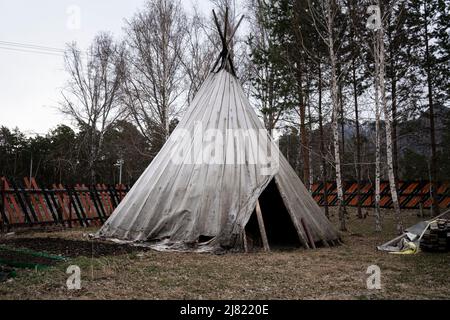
pixel 31 46
pixel 31 51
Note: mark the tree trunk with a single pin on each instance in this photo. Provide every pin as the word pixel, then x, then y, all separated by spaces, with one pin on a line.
pixel 355 53
pixel 394 125
pixel 303 131
pixel 335 115
pixel 393 77
pixel 388 127
pixel 322 147
pixel 358 140
pixel 341 117
pixel 92 156
pixel 378 224
pixel 433 162
pixel 310 160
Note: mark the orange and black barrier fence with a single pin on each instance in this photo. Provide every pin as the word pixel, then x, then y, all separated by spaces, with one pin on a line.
pixel 26 205
pixel 412 195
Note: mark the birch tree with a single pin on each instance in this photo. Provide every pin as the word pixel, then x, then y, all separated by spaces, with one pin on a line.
pixel 388 124
pixel 325 29
pixel 154 84
pixel 91 97
pixel 322 141
pixel 378 224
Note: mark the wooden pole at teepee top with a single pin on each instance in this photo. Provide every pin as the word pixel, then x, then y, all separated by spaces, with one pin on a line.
pixel 262 228
pixel 226 36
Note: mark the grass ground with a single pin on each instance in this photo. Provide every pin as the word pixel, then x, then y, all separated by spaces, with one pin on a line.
pixel 111 272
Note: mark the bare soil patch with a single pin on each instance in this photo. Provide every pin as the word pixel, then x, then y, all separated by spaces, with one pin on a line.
pixel 72 248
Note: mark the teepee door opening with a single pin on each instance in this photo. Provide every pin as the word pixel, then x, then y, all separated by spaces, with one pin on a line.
pixel 280 229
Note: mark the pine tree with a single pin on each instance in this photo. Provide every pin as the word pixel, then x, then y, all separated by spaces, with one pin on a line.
pixel 271 78
pixel 424 23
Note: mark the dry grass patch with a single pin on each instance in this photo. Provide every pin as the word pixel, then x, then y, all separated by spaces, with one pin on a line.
pixel 335 273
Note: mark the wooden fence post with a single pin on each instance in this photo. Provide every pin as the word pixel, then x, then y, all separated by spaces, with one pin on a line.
pixel 70 211
pixel 3 204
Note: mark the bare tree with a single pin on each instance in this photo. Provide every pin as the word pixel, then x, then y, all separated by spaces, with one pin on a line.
pixel 91 95
pixel 335 102
pixel 153 88
pixel 388 125
pixel 430 91
pixel 322 141
pixel 310 151
pixel 378 225
pixel 355 56
pixel 198 55
pixel 324 13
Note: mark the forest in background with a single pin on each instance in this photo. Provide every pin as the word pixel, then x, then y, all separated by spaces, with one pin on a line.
pixel 60 156
pixel 352 89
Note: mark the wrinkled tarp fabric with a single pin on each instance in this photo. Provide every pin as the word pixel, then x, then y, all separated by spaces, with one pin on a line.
pixel 412 235
pixel 173 204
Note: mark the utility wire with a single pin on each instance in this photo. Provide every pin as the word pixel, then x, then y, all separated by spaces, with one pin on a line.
pixel 31 51
pixel 30 46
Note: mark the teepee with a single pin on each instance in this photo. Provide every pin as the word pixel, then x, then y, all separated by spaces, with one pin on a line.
pixel 220 182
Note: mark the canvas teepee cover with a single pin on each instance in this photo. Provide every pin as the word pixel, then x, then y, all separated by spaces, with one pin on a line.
pixel 184 200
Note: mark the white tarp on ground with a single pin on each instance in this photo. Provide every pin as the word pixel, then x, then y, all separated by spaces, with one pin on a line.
pixel 410 239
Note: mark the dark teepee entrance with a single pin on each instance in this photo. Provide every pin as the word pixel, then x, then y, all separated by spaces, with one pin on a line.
pixel 278 225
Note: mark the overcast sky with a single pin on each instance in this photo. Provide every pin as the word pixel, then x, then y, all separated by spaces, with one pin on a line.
pixel 30 82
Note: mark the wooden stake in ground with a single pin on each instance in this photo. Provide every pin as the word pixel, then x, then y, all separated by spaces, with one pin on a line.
pixel 262 228
pixel 308 234
pixel 244 238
